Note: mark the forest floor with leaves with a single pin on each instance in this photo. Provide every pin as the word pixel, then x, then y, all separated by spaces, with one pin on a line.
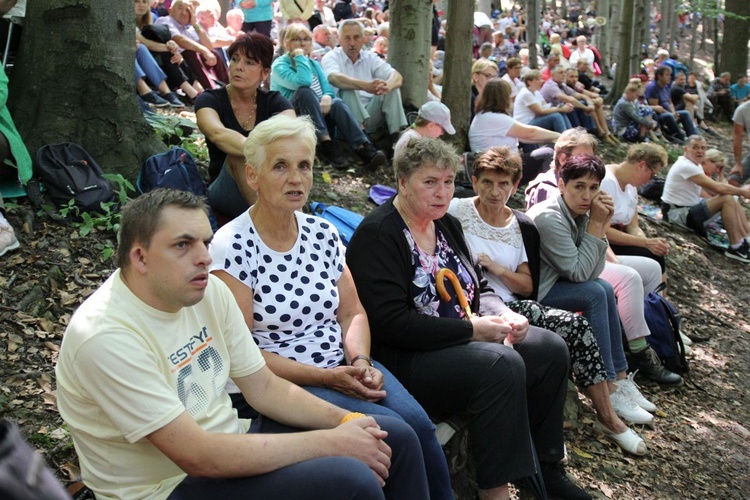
pixel 699 446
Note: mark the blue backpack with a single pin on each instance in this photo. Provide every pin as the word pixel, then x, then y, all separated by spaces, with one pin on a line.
pixel 344 220
pixel 663 321
pixel 174 169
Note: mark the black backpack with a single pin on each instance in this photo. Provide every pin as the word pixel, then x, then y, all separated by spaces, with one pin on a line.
pixel 343 10
pixel 70 173
pixel 174 169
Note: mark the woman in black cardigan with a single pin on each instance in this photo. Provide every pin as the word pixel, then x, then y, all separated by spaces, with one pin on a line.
pixel 450 363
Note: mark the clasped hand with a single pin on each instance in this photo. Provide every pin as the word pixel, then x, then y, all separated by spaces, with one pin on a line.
pixel 377 87
pixel 361 382
pixel 362 439
pixel 497 328
pixel 602 208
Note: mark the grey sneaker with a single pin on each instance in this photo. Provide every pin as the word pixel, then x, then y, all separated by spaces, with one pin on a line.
pixel 155 100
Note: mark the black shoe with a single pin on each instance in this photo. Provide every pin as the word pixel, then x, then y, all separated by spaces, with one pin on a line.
pixel 173 100
pixel 559 485
pixel 742 253
pixel 371 157
pixel 675 139
pixel 698 337
pixel 155 100
pixel 647 363
pixel 330 153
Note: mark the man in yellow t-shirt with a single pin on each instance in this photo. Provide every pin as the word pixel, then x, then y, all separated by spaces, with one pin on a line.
pixel 141 384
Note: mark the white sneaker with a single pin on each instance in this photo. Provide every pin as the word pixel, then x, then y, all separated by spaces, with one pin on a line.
pixel 628 410
pixel 8 240
pixel 630 388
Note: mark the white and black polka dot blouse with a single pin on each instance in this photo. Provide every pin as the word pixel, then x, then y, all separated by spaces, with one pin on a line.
pixel 295 293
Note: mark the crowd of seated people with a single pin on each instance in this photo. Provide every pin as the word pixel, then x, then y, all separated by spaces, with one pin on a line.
pixel 379 351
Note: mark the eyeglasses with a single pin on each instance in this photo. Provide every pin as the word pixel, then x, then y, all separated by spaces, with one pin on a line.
pixel 488 75
pixel 302 40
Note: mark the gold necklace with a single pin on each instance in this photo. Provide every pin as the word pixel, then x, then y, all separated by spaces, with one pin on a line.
pixel 237 114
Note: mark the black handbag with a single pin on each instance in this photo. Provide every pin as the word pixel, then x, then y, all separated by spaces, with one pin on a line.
pixel 157 33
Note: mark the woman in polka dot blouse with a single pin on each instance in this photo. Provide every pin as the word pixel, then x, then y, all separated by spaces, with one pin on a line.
pixel 287 271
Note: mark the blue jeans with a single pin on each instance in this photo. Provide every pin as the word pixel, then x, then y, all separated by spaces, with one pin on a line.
pixel 596 299
pixel 340 116
pixel 668 122
pixel 400 404
pixel 552 121
pixel 342 478
pixel 580 119
pixel 146 66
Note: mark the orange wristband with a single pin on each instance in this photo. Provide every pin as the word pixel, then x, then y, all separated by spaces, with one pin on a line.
pixel 351 416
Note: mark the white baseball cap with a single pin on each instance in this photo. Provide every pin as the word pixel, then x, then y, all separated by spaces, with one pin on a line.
pixel 437 112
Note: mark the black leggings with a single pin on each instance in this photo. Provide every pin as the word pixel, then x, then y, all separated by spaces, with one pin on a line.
pixel 507 395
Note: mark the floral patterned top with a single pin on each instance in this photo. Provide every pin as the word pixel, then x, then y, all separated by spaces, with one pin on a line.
pixel 426 267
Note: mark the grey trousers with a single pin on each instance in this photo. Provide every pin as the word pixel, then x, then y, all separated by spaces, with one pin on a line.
pixel 381 109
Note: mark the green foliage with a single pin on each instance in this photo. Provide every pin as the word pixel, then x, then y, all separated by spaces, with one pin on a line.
pixel 172 131
pixel 10 206
pixel 108 219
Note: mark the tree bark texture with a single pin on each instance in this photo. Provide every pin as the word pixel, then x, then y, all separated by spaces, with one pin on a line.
pixel 457 80
pixel 602 38
pixel 409 49
pixel 623 57
pixel 532 31
pixel 635 42
pixel 734 44
pixel 73 81
pixel 614 28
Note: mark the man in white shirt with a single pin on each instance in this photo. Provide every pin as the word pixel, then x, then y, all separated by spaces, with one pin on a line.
pixel 512 76
pixel 691 199
pixel 365 82
pixel 741 170
pixel 141 385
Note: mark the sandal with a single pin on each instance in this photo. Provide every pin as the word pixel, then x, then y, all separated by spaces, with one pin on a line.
pixel 628 441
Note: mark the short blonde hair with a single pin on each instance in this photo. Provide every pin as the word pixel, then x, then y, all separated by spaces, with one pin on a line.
pixel 715 155
pixel 653 154
pixel 294 30
pixel 482 64
pixel 277 127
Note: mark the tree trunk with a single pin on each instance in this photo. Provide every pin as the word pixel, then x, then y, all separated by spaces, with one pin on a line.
pixel 693 42
pixel 645 34
pixel 717 42
pixel 74 81
pixel 601 38
pixel 614 27
pixel 456 82
pixel 666 18
pixel 635 42
pixel 734 44
pixel 409 54
pixel 532 31
pixel 673 20
pixel 625 34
